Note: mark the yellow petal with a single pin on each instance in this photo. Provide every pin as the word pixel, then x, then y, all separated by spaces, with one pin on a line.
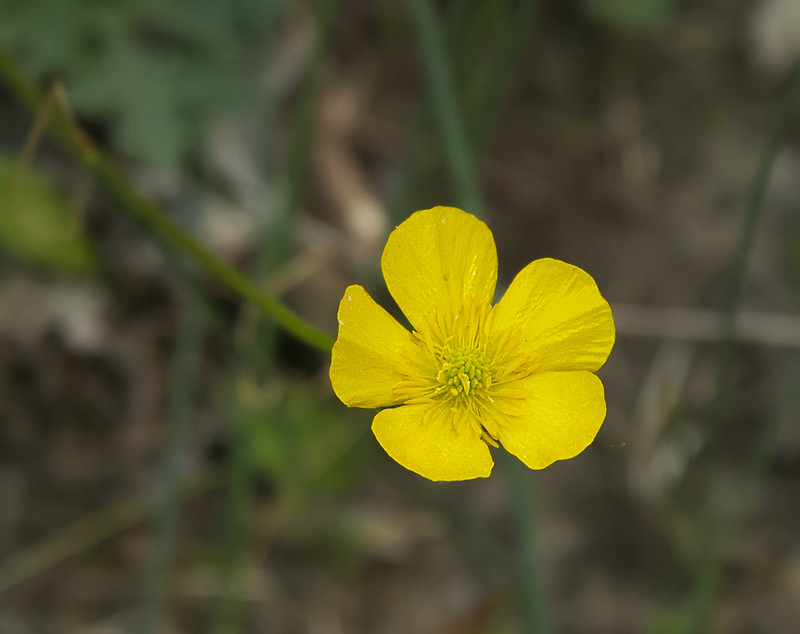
pixel 557 420
pixel 563 321
pixel 425 441
pixel 439 256
pixel 368 354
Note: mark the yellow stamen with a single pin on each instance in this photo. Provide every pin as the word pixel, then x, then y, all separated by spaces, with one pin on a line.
pixel 485 437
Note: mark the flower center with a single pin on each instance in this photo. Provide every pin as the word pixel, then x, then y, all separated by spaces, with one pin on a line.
pixel 463 371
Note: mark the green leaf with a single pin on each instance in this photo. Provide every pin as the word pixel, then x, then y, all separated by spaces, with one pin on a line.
pixel 158 74
pixel 38 225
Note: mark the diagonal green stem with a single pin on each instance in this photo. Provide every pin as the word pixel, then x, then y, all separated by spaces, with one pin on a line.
pixel 72 138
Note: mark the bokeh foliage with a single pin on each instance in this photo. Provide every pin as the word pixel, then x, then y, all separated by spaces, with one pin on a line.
pixel 152 78
pixel 156 73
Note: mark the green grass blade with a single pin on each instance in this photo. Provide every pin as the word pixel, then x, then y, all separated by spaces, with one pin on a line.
pixel 460 159
pixel 446 110
pixel 184 384
pixel 747 232
pixel 707 582
pixel 533 599
pixel 498 74
pixel 254 352
pixel 710 541
pixel 87 532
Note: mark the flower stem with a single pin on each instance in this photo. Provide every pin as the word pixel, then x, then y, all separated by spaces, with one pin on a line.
pixel 72 137
pixel 462 164
pixel 533 594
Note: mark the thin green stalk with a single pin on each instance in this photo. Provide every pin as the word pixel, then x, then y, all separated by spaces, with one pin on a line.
pixel 445 103
pixel 738 267
pixel 235 536
pixel 744 243
pixel 497 78
pixel 256 360
pixel 707 581
pixel 90 530
pixel 460 158
pixel 479 112
pixel 73 139
pixel 710 541
pixel 417 170
pixel 532 589
pixel 184 383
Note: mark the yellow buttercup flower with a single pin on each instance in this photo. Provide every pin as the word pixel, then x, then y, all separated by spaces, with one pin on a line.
pixel 471 375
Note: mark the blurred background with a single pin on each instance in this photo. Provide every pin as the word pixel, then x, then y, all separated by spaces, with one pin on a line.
pixel 170 461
